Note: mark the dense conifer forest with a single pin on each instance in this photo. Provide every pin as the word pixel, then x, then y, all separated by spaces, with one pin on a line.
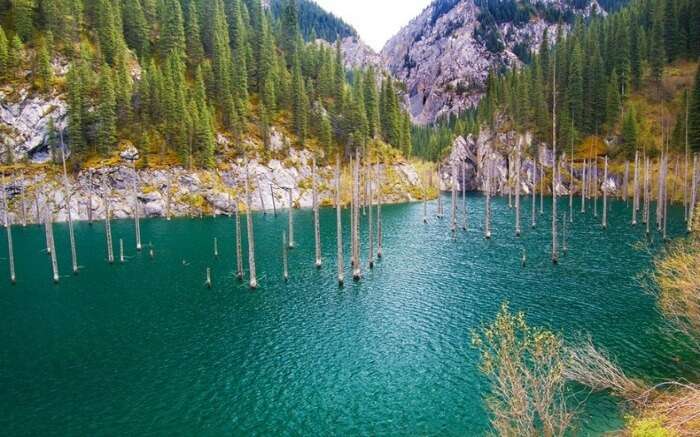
pixel 171 75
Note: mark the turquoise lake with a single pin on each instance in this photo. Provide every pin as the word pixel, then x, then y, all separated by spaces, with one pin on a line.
pixel 143 348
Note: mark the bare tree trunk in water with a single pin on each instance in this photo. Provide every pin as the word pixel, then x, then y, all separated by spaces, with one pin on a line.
pixel 71 233
pixel 625 184
pixel 357 268
pixel 453 204
pixel 605 194
pixel 285 265
pixel 533 210
pixel 8 227
pixel 290 223
pixel 693 194
pixel 517 189
pixel 425 204
pixel 555 252
pixel 251 236
pixel 239 245
pixel 49 233
pixel 370 224
pixel 584 175
pixel 464 195
pixel 317 226
pixel 487 208
pixel 108 224
pixel 137 223
pixel 89 208
pixel 541 188
pixel 380 226
pixel 339 224
pixel 274 204
pixel 635 194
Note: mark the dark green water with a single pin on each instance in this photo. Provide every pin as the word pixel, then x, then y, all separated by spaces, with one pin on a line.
pixel 144 349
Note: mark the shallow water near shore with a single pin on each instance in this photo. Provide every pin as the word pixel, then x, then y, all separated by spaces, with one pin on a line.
pixel 144 348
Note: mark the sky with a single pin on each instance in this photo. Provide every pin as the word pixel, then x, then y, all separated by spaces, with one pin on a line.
pixel 375 20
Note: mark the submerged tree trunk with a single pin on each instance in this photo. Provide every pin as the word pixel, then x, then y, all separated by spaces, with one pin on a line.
pixel 357 268
pixel 625 184
pixel 453 205
pixel 339 224
pixel 380 226
pixel 584 175
pixel 541 188
pixel 137 223
pixel 464 195
pixel 89 205
pixel 693 194
pixel 517 190
pixel 487 206
pixel 425 202
pixel 251 236
pixel 317 231
pixel 533 210
pixel 274 204
pixel 8 227
pixel 71 233
pixel 555 252
pixel 370 224
pixel 635 198
pixel 239 245
pixel 108 224
pixel 605 194
pixel 49 234
pixel 285 264
pixel 290 224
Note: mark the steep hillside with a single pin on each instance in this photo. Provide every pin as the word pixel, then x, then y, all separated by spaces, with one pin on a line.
pixel 445 54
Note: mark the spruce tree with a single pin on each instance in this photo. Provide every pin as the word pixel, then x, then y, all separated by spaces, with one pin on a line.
pixel 612 108
pixel 195 49
pixel 108 31
pixel 23 14
pixel 75 109
pixel 44 71
pixel 172 28
pixel 135 27
pixel 4 61
pixel 630 130
pixel 14 55
pixel 299 105
pixel 371 102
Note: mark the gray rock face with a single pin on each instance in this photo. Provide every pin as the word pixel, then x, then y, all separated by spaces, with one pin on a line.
pixel 502 147
pixel 180 192
pixel 444 65
pixel 24 123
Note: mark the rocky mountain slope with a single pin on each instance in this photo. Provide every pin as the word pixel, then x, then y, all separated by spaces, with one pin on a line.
pixel 444 55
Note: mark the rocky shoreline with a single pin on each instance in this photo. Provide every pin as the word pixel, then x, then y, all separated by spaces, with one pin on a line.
pixel 179 192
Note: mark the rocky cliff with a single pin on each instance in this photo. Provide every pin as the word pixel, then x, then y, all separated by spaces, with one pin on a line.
pixel 444 54
pixel 501 149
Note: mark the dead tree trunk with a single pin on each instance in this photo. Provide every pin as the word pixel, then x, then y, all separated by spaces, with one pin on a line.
pixel 317 225
pixel 584 174
pixel 251 236
pixel 239 245
pixel 54 261
pixel 380 226
pixel 89 208
pixel 339 224
pixel 635 198
pixel 693 194
pixel 517 190
pixel 357 268
pixel 285 265
pixel 274 204
pixel 108 224
pixel 487 206
pixel 137 222
pixel 8 227
pixel 71 233
pixel 290 223
pixel 464 195
pixel 605 195
pixel 555 252
pixel 453 205
pixel 370 224
pixel 625 184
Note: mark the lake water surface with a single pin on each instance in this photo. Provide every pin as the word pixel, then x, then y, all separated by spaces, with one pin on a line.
pixel 143 348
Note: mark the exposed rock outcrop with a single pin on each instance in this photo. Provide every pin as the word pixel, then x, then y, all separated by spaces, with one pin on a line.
pixel 25 122
pixel 444 61
pixel 180 192
pixel 501 148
